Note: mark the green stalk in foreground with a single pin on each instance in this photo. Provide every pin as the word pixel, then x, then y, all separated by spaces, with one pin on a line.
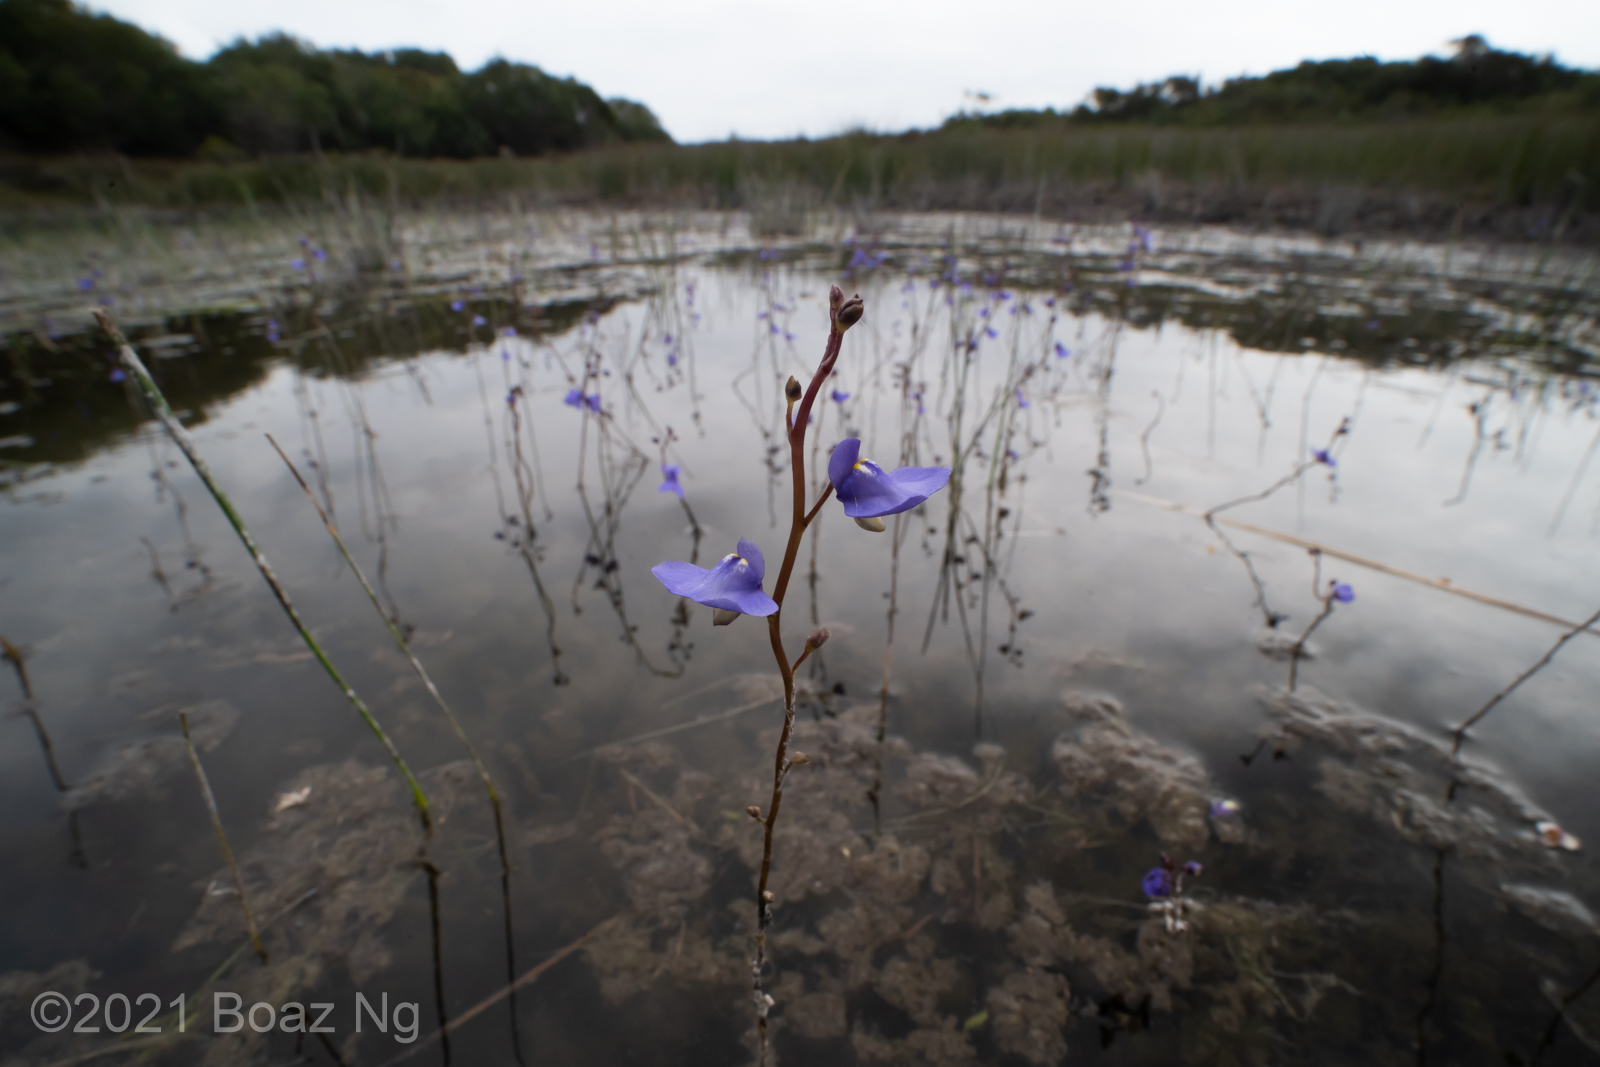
pixel 180 437
pixel 449 714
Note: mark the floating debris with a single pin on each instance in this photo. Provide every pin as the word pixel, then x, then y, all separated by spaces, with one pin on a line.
pixel 292 799
pixel 1553 836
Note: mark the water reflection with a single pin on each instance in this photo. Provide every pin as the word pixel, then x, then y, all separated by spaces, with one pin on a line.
pixel 938 902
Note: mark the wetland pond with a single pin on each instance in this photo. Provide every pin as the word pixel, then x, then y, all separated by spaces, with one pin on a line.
pixel 1038 682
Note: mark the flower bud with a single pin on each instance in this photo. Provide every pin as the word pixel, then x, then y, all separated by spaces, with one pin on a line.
pixel 799 759
pixel 754 812
pixel 818 639
pixel 872 525
pixel 791 389
pixel 850 313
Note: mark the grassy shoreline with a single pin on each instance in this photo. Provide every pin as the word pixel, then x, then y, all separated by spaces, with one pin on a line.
pixel 1502 177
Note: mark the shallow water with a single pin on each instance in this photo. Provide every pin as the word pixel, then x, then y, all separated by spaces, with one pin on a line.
pixel 1080 667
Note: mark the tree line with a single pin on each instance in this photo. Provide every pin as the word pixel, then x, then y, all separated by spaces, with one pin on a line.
pixel 74 81
pixel 1476 77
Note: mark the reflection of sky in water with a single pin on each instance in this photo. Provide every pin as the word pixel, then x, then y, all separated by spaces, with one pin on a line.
pixel 1137 600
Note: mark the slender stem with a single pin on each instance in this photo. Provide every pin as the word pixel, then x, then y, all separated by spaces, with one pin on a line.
pixel 781 764
pixel 1460 732
pixel 186 445
pixel 449 714
pixel 821 500
pixel 222 837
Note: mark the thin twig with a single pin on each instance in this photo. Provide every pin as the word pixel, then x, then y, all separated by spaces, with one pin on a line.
pixel 1460 732
pixel 416 664
pixel 222 837
pixel 1442 584
pixel 478 1009
pixel 180 437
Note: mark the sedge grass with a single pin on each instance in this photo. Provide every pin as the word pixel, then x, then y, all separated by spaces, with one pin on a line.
pixel 180 436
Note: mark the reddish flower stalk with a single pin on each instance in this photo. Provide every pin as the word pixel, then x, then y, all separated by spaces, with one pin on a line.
pixel 842 314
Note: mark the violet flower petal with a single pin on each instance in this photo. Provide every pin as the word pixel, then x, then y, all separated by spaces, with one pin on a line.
pixel 734 584
pixel 867 491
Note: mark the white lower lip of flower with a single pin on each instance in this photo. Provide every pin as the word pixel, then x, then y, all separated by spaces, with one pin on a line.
pixel 722 616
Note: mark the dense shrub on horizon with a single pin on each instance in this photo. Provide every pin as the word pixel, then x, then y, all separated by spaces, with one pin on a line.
pixel 1476 77
pixel 74 81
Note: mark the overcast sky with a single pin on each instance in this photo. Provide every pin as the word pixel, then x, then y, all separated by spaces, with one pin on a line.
pixel 711 68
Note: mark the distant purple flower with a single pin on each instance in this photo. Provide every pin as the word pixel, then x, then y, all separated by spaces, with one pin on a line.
pixel 319 254
pixel 1062 351
pixel 672 359
pixel 508 331
pixel 574 398
pixel 867 491
pixel 297 264
pixel 733 585
pixel 118 374
pixel 1157 882
pixel 479 320
pixel 457 305
pixel 1224 809
pixel 305 242
pixel 1343 593
pixel 272 331
pixel 669 484
pixel 839 397
pixel 86 284
pixel 592 401
pixel 1022 401
pixel 1321 456
pixel 1193 868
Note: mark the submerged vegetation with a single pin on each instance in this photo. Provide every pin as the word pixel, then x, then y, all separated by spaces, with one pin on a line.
pixel 991 848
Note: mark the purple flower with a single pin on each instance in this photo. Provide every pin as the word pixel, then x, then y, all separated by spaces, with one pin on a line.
pixel 508 331
pixel 272 331
pixel 592 401
pixel 1062 351
pixel 1157 882
pixel 320 254
pixel 457 305
pixel 733 585
pixel 1224 809
pixel 479 320
pixel 297 264
pixel 574 398
pixel 672 359
pixel 1343 593
pixel 839 397
pixel 669 484
pixel 867 491
pixel 118 374
pixel 1193 868
pixel 86 284
pixel 1022 401
pixel 1321 456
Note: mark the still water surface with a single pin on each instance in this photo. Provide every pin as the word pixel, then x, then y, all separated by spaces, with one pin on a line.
pixel 1081 677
